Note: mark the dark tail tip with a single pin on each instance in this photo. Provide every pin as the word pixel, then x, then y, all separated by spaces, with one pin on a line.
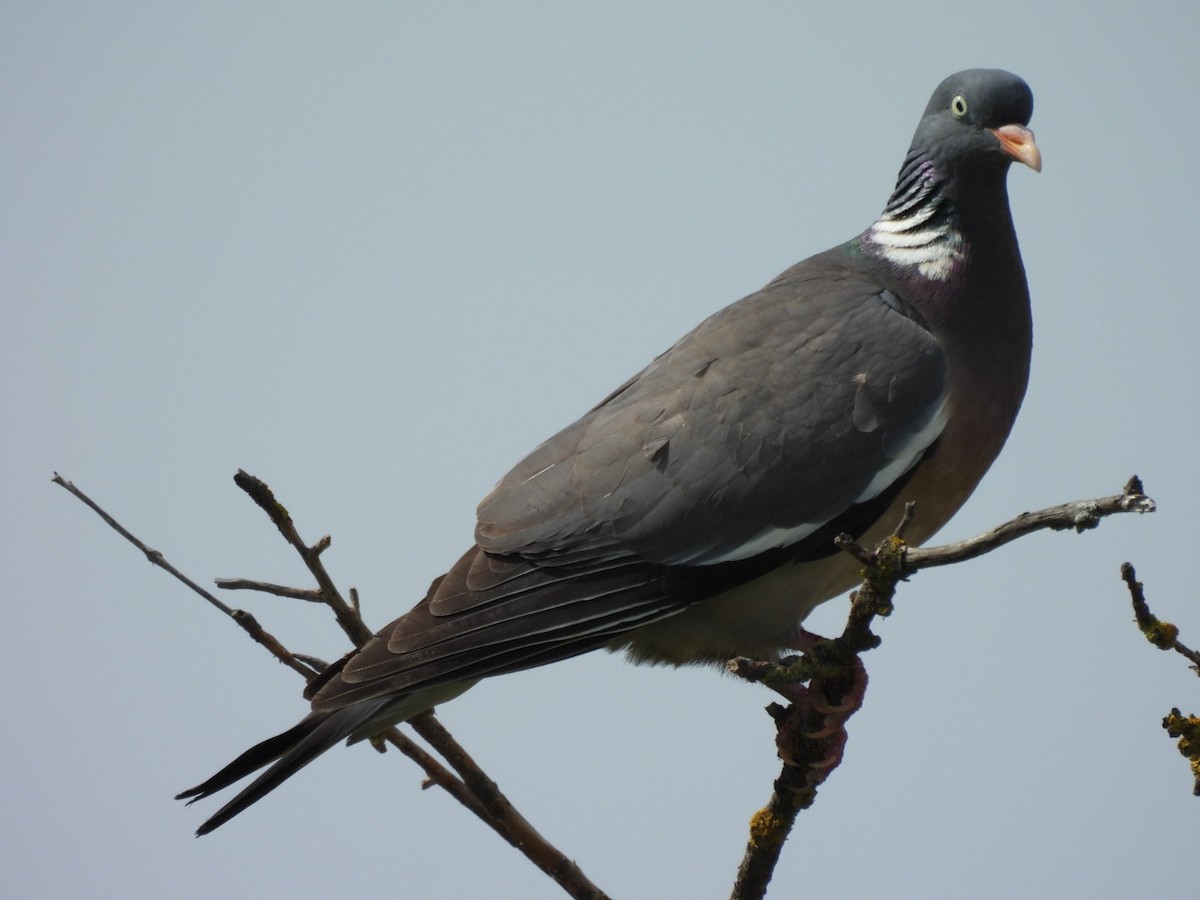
pixel 290 752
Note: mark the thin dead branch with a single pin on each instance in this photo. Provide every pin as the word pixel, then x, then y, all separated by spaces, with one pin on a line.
pixel 279 590
pixel 1078 516
pixel 471 786
pixel 347 618
pixel 829 675
pixel 244 620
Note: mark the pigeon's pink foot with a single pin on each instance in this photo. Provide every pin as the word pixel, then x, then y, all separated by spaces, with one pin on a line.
pixel 812 730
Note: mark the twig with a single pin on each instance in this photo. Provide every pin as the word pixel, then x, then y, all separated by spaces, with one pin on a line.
pixel 1165 636
pixel 884 567
pixel 830 668
pixel 246 584
pixel 245 620
pixel 475 790
pixel 472 787
pixel 350 622
pixel 827 667
pixel 1187 730
pixel 1162 635
pixel 1079 515
pixel 516 829
pixel 435 773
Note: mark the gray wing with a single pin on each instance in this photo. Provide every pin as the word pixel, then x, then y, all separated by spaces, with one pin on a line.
pixel 794 407
pixel 767 421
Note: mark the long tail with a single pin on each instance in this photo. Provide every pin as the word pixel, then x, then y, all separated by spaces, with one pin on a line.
pixel 290 752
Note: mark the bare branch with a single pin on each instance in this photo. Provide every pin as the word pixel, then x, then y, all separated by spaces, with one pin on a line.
pixel 245 620
pixel 1080 515
pixel 155 556
pixel 349 621
pixel 828 666
pixel 245 584
pixel 810 745
pixel 474 789
pixel 848 544
pixel 811 738
pixel 502 815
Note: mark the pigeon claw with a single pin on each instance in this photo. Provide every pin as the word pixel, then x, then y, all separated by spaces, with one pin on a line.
pixel 812 730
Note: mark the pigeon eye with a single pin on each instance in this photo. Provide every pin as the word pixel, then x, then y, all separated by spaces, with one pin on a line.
pixel 958 106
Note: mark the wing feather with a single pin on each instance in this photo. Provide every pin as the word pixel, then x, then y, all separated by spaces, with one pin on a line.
pixel 800 409
pixel 772 417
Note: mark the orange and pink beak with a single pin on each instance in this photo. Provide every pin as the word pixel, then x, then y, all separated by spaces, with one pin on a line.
pixel 1017 141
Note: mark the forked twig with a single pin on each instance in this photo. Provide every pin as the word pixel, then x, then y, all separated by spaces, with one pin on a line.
pixel 244 620
pixel 828 667
pixel 471 786
pixel 884 567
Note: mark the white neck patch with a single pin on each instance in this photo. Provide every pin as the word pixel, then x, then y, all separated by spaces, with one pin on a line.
pixel 908 241
pixel 915 230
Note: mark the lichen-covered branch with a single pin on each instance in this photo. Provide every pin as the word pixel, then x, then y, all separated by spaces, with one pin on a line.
pixel 1162 635
pixel 1165 636
pixel 829 667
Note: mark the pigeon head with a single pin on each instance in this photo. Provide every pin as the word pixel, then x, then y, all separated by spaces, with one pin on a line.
pixel 950 190
pixel 977 121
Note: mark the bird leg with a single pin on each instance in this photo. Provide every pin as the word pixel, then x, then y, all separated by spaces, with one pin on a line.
pixel 811 730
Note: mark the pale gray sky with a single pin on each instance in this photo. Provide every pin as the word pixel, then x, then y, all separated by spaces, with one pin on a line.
pixel 375 253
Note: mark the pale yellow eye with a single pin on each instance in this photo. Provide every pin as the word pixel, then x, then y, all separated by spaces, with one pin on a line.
pixel 958 106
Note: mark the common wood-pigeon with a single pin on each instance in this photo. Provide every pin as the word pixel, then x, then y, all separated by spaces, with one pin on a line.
pixel 689 516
